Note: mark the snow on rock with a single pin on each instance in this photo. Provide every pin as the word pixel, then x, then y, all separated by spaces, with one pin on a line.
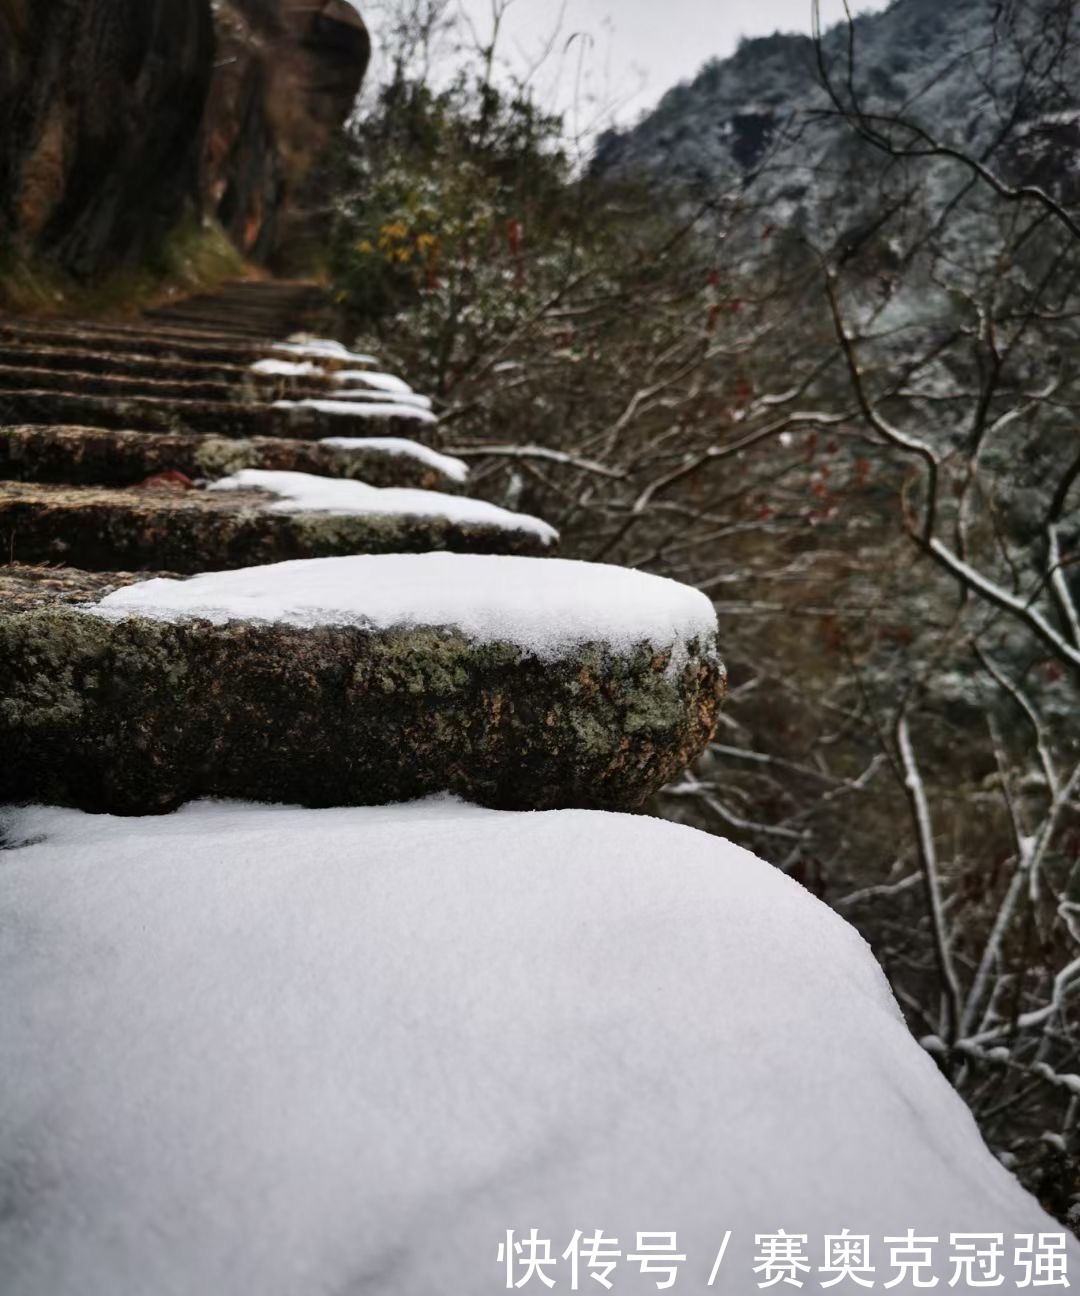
pixel 547 606
pixel 371 378
pixel 360 409
pixel 322 349
pixel 260 1049
pixel 288 368
pixel 307 493
pixel 456 469
pixel 372 394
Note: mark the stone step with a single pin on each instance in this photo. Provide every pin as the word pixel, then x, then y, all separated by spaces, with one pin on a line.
pixel 267 309
pixel 105 360
pixel 218 418
pixel 109 457
pixel 519 683
pixel 188 530
pixel 250 388
pixel 30 378
pixel 144 339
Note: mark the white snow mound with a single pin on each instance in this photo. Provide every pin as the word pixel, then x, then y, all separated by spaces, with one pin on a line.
pixel 264 1050
pixel 456 469
pixel 288 368
pixel 308 493
pixel 371 378
pixel 547 606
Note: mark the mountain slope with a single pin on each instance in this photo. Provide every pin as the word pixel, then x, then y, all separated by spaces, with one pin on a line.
pixel 992 78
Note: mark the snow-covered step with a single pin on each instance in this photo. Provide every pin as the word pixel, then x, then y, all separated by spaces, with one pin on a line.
pixel 326 351
pixel 268 1050
pixel 106 359
pixel 29 377
pixel 355 405
pixel 253 516
pixel 518 682
pixel 198 345
pixel 112 457
pixel 252 388
pixel 58 403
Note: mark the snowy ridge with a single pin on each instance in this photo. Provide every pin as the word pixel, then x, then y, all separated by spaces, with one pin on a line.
pixel 306 493
pixel 546 606
pixel 271 1050
pixel 456 469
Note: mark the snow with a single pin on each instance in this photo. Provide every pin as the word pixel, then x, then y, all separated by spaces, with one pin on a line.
pixel 372 378
pixel 359 409
pixel 271 1050
pixel 307 493
pixel 456 469
pixel 288 368
pixel 547 606
pixel 372 394
pixel 322 349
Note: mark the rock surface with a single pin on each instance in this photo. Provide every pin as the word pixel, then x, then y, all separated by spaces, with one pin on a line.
pixel 100 110
pixel 118 117
pixel 287 76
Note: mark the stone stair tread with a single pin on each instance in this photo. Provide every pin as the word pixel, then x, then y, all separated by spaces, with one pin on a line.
pixel 514 682
pixel 142 339
pixel 198 530
pixel 249 387
pixel 58 360
pixel 301 420
pixel 123 457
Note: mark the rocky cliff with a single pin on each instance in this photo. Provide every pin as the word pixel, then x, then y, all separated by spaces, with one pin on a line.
pixel 100 112
pixel 286 75
pixel 117 117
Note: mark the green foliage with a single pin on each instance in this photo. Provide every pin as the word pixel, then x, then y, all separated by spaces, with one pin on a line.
pixel 465 215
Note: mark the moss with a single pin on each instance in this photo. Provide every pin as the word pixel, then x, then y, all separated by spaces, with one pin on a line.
pixel 219 457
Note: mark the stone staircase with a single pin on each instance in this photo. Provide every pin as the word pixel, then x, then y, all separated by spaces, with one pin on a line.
pixel 326 1043
pixel 222 434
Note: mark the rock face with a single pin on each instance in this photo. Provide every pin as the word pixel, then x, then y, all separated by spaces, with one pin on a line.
pixel 118 116
pixel 288 72
pixel 100 109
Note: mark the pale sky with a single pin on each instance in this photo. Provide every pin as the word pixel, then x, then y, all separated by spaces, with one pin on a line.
pixel 637 49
